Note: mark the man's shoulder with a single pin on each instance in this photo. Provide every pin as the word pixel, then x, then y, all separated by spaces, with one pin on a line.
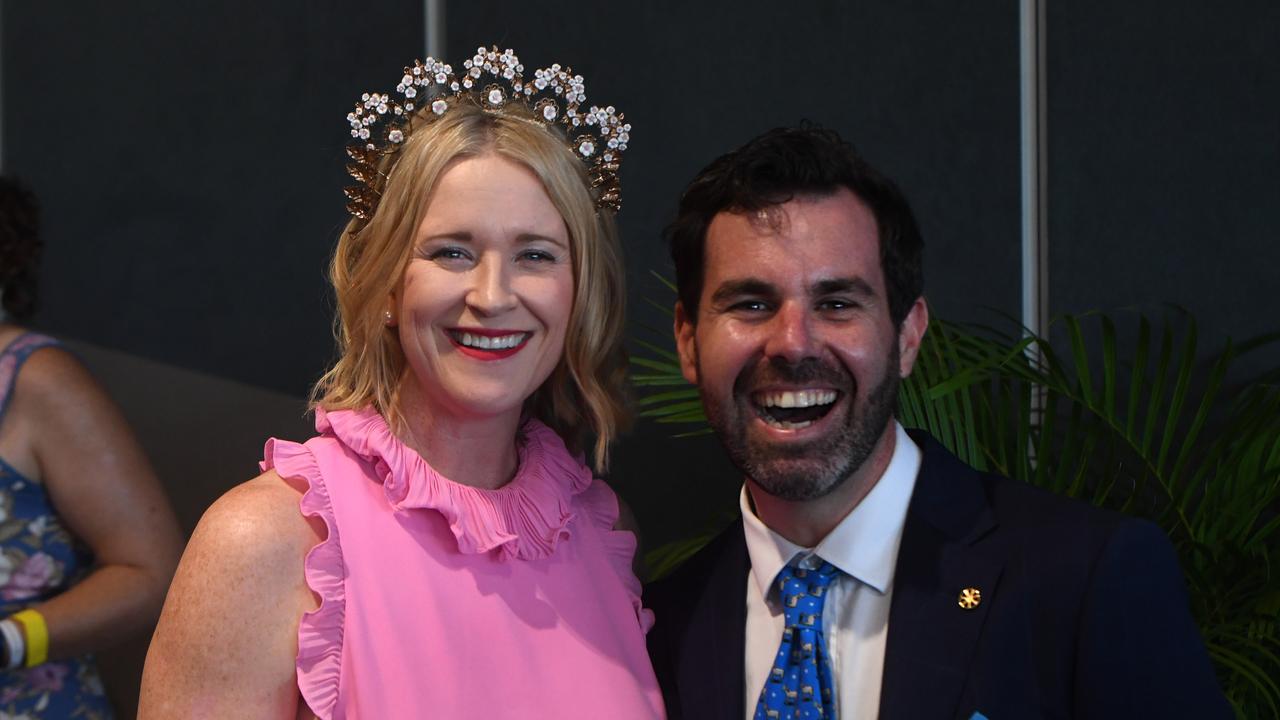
pixel 1017 503
pixel 1038 523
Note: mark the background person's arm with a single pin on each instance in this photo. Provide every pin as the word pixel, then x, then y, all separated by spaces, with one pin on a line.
pixel 105 493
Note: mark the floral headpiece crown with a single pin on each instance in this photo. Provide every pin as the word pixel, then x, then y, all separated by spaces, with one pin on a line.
pixel 381 123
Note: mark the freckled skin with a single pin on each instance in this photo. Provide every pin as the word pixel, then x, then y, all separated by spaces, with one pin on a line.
pixel 795 298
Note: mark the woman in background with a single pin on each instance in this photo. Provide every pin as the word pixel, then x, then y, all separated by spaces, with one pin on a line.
pixel 440 550
pixel 88 542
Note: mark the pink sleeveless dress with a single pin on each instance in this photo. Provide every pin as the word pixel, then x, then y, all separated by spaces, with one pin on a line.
pixel 443 600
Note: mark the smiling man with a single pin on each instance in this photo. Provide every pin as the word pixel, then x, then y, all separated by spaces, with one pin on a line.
pixel 873 574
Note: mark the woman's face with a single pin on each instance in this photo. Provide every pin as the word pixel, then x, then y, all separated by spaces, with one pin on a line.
pixel 486 296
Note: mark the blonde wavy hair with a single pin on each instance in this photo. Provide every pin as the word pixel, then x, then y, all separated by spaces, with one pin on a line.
pixel 585 393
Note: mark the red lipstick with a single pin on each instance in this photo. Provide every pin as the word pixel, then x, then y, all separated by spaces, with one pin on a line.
pixel 457 337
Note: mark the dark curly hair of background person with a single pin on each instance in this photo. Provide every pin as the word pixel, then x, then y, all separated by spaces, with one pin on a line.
pixel 19 249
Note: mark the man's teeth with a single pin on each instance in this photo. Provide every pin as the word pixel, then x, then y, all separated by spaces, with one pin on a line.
pixel 784 425
pixel 483 342
pixel 793 409
pixel 796 399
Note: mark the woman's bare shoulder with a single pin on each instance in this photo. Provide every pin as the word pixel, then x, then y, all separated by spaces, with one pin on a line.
pixel 239 593
pixel 259 521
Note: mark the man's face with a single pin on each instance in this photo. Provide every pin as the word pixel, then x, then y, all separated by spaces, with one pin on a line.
pixel 794 351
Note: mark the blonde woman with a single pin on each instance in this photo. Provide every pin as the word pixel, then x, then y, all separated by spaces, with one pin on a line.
pixel 440 550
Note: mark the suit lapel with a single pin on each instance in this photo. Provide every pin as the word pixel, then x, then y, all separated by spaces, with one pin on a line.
pixel 931 638
pixel 710 674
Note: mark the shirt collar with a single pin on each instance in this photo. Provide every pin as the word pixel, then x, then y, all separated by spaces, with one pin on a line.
pixel 865 543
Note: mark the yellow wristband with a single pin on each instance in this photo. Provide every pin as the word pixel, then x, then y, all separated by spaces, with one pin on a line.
pixel 37 636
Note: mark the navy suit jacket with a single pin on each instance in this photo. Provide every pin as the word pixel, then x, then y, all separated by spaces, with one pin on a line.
pixel 1083 612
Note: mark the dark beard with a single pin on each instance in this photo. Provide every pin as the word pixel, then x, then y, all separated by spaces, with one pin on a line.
pixel 812 470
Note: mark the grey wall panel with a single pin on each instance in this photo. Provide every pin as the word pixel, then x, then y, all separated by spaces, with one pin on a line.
pixel 202 433
pixel 1164 160
pixel 928 91
pixel 189 157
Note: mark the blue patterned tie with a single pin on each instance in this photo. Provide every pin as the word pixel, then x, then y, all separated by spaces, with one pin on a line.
pixel 799 685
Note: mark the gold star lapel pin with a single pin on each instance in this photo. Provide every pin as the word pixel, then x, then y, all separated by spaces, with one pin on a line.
pixel 970 598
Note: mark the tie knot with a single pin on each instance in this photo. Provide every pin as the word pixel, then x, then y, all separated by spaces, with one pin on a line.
pixel 803 590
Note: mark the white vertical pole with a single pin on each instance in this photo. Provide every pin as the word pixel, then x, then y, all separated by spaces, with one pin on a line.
pixel 1035 241
pixel 433 28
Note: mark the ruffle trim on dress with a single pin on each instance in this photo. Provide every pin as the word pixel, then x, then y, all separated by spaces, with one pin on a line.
pixel 319 661
pixel 601 506
pixel 523 519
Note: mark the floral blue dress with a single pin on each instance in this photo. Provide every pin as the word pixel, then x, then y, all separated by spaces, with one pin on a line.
pixel 39 559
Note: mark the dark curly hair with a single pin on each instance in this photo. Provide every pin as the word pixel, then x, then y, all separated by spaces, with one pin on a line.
pixel 771 170
pixel 19 249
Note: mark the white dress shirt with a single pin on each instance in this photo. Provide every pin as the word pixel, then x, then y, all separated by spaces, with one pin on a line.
pixel 864 546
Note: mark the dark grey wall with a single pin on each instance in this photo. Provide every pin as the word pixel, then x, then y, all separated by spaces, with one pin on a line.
pixel 1164 161
pixel 189 157
pixel 928 91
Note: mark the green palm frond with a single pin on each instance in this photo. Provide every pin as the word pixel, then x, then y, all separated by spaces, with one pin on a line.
pixel 663 560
